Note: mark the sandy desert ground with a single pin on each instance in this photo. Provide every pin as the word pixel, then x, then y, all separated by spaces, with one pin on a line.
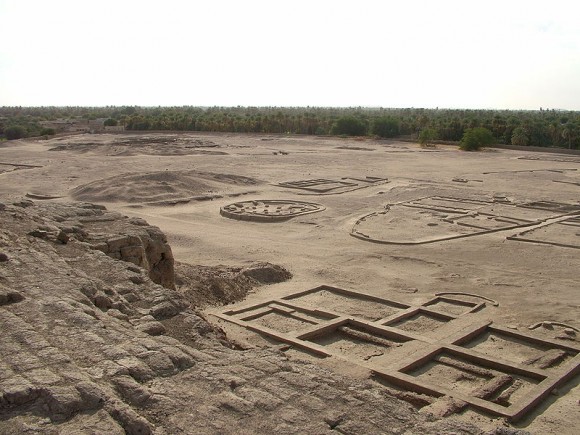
pixel 390 222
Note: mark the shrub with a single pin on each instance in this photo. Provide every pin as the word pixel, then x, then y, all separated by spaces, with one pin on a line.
pixel 385 127
pixel 14 132
pixel 47 132
pixel 519 137
pixel 320 131
pixel 111 122
pixel 350 126
pixel 475 138
pixel 427 136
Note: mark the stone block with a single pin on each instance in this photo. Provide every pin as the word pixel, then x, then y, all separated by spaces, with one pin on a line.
pixel 116 243
pixel 137 369
pixel 159 362
pixel 152 328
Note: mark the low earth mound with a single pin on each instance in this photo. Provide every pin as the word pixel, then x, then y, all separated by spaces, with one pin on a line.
pixel 91 344
pixel 153 145
pixel 162 187
pixel 221 285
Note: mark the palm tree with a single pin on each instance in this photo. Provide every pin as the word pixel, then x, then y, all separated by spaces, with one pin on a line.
pixel 567 134
pixel 519 137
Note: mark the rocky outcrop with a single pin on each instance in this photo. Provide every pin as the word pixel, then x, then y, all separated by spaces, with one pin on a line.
pixel 122 238
pixel 72 320
pixel 144 246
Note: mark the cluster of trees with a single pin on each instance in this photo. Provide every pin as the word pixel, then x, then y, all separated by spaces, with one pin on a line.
pixel 475 138
pixel 546 128
pixel 17 122
pixel 18 131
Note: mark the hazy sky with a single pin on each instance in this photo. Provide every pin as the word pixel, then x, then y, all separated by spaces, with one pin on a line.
pixel 407 53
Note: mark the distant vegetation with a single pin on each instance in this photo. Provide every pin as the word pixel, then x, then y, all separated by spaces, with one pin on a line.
pixel 427 137
pixel 349 126
pixel 476 138
pixel 14 132
pixel 385 126
pixel 111 122
pixel 544 128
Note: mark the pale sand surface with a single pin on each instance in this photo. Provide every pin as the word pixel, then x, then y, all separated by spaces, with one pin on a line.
pixel 532 282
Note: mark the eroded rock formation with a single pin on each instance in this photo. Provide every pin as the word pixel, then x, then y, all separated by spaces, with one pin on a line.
pixel 122 238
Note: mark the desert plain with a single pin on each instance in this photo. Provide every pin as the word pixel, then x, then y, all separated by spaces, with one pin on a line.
pixel 445 278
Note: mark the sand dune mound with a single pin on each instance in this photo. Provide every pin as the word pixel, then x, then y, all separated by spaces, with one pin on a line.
pixel 222 285
pixel 161 186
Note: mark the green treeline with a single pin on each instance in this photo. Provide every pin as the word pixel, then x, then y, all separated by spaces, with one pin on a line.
pixel 544 128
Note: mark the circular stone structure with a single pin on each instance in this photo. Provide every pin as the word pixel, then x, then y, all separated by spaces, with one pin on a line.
pixel 266 210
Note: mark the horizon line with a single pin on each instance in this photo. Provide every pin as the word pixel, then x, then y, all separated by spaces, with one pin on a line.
pixel 541 109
